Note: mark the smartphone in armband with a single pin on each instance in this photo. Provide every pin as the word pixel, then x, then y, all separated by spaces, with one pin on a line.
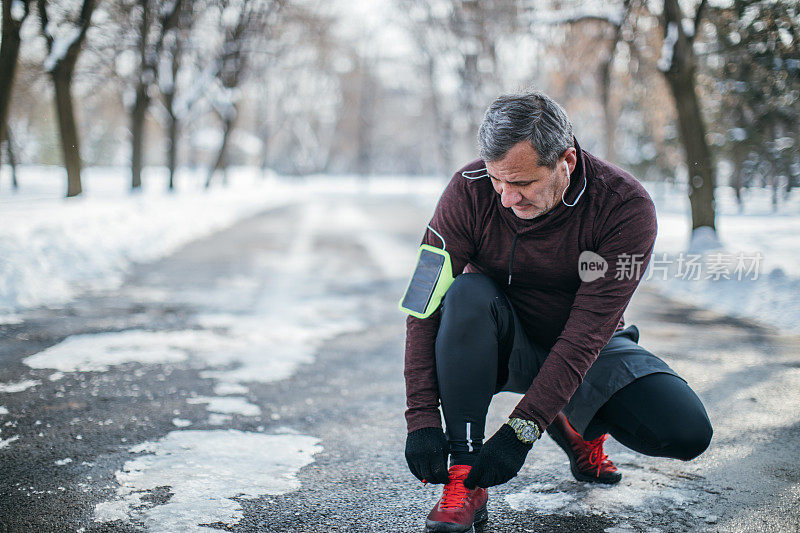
pixel 431 279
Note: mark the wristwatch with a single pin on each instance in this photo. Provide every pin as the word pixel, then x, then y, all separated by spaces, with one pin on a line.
pixel 527 431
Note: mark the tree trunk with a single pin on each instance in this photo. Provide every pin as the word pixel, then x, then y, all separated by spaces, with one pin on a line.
pixel 221 161
pixel 444 130
pixel 468 94
pixel 680 76
pixel 70 146
pixel 737 178
pixel 169 102
pixel 12 159
pixel 609 117
pixel 172 157
pixel 137 132
pixel 61 72
pixel 139 111
pixel 773 184
pixel 366 110
pixel 9 53
pixel 264 126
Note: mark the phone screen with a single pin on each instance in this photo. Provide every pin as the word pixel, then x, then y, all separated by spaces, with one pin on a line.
pixel 423 281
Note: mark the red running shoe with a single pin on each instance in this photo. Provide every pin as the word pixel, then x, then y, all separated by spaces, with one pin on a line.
pixel 459 508
pixel 586 458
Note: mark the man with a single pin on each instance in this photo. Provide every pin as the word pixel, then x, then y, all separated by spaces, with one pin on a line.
pixel 547 244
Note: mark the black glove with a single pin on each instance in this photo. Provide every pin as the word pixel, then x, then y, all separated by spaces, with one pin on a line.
pixel 500 459
pixel 426 454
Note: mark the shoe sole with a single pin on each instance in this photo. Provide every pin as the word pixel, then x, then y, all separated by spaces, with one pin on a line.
pixel 481 516
pixel 573 465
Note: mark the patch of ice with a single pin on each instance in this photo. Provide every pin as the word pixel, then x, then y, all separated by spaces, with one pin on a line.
pixel 236 405
pixel 640 490
pixel 97 352
pixel 3 410
pixel 19 386
pixel 224 389
pixel 6 442
pixel 204 470
pixel 181 422
pixel 393 256
pixel 55 376
pixel 111 511
pixel 217 419
pixel 10 318
pixel 62 462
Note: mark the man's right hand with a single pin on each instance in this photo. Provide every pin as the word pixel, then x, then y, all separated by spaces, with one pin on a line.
pixel 426 454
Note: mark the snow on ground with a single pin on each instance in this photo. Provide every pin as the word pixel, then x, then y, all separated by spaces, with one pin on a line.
pixel 19 386
pixel 644 491
pixel 6 442
pixel 236 405
pixel 55 247
pixel 756 272
pixel 99 351
pixel 204 471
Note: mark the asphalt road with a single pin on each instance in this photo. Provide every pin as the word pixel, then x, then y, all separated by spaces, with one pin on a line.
pixel 335 265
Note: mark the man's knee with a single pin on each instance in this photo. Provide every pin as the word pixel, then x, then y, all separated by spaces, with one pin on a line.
pixel 691 441
pixel 472 316
pixel 470 291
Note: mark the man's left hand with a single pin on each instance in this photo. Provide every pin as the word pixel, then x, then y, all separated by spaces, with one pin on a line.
pixel 500 459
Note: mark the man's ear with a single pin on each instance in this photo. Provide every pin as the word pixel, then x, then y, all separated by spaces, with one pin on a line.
pixel 571 159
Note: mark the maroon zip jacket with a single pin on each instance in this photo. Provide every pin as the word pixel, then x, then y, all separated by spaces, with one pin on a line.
pixel 615 218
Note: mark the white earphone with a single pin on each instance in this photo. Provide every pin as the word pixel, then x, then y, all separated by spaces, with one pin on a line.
pixel 566 167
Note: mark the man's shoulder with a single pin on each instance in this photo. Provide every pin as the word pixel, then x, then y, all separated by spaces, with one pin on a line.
pixel 471 180
pixel 613 182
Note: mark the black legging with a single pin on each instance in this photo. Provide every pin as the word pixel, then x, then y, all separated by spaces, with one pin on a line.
pixel 657 414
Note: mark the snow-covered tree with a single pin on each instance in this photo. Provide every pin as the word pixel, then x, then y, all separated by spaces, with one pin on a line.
pixel 64 32
pixel 754 67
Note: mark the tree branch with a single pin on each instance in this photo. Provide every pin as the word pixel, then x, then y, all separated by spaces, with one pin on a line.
pixel 582 18
pixel 44 21
pixel 697 18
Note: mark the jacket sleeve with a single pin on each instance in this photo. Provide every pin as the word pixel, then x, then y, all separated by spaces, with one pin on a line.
pixel 626 243
pixel 454 219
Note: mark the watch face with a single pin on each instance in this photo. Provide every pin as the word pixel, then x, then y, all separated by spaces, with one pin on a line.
pixel 528 433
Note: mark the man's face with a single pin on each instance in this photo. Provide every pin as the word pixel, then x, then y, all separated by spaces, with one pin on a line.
pixel 528 189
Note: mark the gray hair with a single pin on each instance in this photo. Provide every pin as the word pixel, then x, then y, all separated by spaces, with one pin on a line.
pixel 532 116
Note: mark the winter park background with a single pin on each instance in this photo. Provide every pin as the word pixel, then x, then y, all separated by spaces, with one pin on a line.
pixel 211 208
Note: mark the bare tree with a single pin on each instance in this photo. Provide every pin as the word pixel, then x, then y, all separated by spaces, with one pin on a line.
pixel 63 51
pixel 253 19
pixel 478 25
pixel 434 47
pixel 165 16
pixel 605 73
pixel 678 63
pixel 14 14
pixel 12 159
pixel 168 73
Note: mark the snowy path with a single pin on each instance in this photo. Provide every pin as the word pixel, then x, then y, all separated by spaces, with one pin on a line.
pixel 253 382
